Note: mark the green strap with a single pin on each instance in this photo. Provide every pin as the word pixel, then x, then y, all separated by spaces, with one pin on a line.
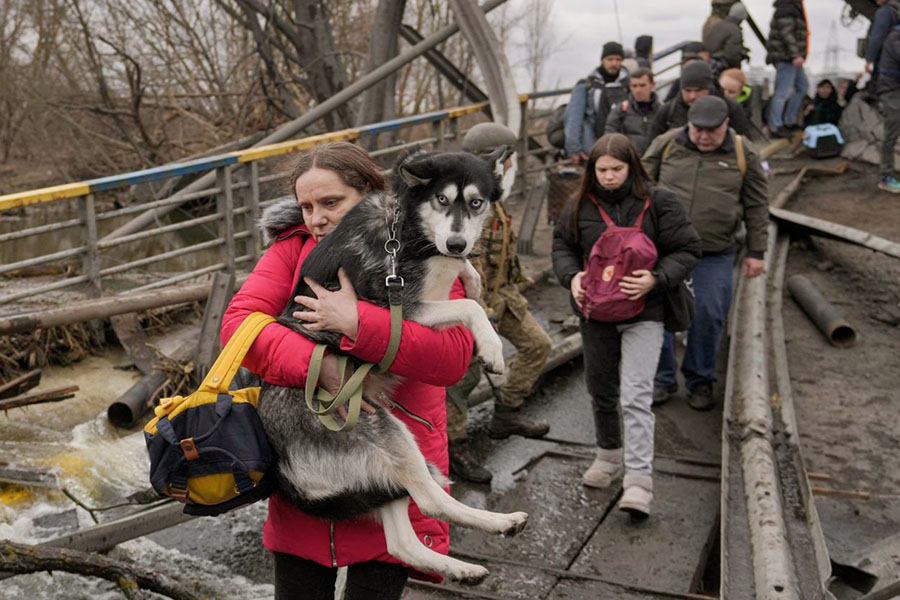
pixel 323 404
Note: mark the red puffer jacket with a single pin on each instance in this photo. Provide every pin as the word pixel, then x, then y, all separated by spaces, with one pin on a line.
pixel 430 360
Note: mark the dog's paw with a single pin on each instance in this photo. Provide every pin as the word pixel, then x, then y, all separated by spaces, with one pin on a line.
pixel 470 574
pixel 516 523
pixel 492 358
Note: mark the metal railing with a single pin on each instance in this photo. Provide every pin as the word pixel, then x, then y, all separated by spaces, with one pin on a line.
pixel 231 208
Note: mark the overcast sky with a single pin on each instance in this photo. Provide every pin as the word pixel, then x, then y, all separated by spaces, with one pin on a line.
pixel 580 27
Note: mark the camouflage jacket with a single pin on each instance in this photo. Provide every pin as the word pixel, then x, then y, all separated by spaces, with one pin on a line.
pixel 498 264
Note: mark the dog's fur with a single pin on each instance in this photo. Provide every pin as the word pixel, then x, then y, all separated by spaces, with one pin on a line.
pixel 443 201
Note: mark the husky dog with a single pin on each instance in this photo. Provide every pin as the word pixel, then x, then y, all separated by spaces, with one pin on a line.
pixel 440 202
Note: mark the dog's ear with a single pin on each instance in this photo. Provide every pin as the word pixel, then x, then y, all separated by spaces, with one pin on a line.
pixel 497 157
pixel 416 172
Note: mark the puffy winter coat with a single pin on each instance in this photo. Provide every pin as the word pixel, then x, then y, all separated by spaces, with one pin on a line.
pixel 588 108
pixel 626 117
pixel 889 63
pixel 430 360
pixel 666 224
pixel 725 41
pixel 714 193
pixel 788 32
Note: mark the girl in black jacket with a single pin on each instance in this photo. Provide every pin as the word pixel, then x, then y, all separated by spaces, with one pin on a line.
pixel 615 180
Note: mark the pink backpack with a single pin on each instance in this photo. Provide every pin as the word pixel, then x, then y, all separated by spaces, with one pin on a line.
pixel 617 252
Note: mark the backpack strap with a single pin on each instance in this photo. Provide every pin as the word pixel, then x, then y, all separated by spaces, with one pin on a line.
pixel 223 370
pixel 667 150
pixel 741 157
pixel 606 218
pixel 639 222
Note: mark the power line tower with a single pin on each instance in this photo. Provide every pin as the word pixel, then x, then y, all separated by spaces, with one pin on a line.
pixel 832 52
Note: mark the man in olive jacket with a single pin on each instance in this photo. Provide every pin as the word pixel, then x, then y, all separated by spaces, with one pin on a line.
pixel 718 176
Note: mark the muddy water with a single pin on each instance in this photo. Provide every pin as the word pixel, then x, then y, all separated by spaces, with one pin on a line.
pixel 100 465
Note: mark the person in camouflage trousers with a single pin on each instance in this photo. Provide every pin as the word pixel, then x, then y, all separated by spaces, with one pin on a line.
pixel 502 283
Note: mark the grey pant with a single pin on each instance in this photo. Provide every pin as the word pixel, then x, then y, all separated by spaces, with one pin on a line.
pixel 890 110
pixel 619 363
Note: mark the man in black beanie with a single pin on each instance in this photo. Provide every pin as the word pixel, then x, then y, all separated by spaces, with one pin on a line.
pixel 696 82
pixel 591 101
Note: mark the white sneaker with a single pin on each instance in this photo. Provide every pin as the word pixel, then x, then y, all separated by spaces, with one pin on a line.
pixel 605 468
pixel 637 496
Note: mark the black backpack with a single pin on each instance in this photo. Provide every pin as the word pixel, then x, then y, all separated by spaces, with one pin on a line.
pixel 556 127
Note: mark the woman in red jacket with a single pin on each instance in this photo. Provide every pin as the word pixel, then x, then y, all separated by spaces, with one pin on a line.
pixel 328 181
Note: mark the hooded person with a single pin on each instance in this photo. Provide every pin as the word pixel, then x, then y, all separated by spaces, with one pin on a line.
pixel 825 107
pixel 725 40
pixel 591 101
pixel 719 12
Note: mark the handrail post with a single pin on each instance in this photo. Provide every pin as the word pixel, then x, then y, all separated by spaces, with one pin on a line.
pixel 225 207
pixel 437 132
pixel 91 259
pixel 253 214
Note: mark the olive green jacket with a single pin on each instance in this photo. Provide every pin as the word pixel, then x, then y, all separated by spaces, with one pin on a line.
pixel 715 194
pixel 498 264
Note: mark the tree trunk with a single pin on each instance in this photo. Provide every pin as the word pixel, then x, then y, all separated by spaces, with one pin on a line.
pixel 24 558
pixel 324 68
pixel 379 103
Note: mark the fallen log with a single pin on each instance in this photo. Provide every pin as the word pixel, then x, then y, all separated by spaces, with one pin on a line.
pixel 24 558
pixel 102 308
pixel 54 395
pixel 20 384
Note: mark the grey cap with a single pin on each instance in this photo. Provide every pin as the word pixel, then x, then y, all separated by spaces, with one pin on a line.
pixel 708 112
pixel 485 137
pixel 738 11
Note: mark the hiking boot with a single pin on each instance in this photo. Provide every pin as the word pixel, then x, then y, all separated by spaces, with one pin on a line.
pixel 890 184
pixel 701 397
pixel 605 468
pixel 663 393
pixel 637 496
pixel 464 465
pixel 510 421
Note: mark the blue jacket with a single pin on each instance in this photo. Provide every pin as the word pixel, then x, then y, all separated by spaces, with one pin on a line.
pixel 588 108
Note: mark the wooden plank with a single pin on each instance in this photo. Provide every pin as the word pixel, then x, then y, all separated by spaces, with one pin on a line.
pixel 20 384
pixel 31 476
pixel 531 216
pixel 836 231
pixel 134 340
pixel 209 345
pixel 54 395
pixel 668 551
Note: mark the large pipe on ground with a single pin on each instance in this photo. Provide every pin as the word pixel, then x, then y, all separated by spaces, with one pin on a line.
pixel 288 130
pixel 821 312
pixel 141 397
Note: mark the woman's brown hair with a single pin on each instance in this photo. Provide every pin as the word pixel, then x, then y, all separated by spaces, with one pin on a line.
pixel 350 162
pixel 619 147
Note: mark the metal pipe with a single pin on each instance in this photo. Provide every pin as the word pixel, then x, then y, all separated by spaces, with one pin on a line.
pixel 39 260
pixel 111 242
pixel 160 257
pixel 58 285
pixel 137 400
pixel 15 235
pixel 821 312
pixel 288 130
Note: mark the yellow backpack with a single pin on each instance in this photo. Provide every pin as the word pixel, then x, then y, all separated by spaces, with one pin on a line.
pixel 209 449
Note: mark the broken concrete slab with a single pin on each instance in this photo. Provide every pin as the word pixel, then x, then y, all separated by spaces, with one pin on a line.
pixel 682 528
pixel 562 515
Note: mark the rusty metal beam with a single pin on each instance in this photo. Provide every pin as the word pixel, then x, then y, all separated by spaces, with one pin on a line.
pixel 835 231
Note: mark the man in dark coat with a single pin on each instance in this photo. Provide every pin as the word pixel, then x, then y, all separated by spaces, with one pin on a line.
pixel 633 117
pixel 725 40
pixel 885 18
pixel 889 101
pixel 787 48
pixel 696 82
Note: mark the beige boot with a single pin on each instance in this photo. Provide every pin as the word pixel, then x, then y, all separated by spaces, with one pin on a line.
pixel 605 468
pixel 637 496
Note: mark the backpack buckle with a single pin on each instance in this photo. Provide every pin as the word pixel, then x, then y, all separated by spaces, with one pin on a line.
pixel 189 448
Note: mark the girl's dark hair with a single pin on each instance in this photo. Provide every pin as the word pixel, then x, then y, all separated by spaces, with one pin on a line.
pixel 619 147
pixel 350 162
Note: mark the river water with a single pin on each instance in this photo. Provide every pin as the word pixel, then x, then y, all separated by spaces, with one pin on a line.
pixel 100 465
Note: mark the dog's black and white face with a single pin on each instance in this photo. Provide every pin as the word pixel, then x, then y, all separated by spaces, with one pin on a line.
pixel 451 193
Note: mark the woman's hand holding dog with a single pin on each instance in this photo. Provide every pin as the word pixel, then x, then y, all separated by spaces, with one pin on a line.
pixel 638 286
pixel 331 311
